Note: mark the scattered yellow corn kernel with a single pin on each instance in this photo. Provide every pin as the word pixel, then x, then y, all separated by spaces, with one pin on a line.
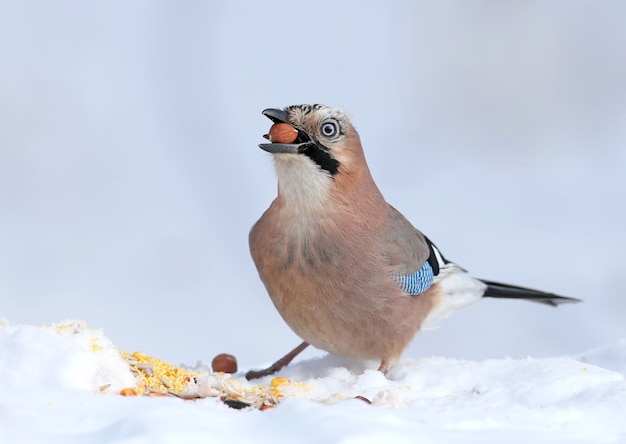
pixel 140 355
pixel 278 381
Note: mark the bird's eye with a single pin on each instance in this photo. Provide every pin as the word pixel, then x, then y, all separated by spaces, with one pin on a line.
pixel 329 129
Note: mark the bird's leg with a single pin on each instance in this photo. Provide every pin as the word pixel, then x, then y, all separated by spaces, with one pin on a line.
pixel 254 374
pixel 384 367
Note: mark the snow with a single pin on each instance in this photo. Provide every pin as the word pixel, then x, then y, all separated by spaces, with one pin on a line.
pixel 51 378
pixel 130 177
pixel 66 355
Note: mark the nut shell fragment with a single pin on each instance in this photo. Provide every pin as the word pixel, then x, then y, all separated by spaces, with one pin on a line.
pixel 282 133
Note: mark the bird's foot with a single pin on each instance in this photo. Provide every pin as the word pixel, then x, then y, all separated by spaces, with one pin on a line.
pixel 384 367
pixel 276 366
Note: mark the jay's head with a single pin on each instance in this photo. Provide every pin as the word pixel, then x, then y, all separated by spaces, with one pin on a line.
pixel 326 141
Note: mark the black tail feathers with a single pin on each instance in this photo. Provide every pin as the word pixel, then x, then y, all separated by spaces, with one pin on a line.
pixel 498 290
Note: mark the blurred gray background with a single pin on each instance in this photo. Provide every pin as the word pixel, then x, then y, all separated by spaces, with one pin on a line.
pixel 130 174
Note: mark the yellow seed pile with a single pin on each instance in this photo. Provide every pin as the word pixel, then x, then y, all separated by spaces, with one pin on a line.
pixel 156 375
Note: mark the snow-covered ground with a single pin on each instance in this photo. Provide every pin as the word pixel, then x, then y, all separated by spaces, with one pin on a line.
pixel 50 380
pixel 130 177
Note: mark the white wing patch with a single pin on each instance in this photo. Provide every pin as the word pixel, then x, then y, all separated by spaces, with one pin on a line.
pixel 457 290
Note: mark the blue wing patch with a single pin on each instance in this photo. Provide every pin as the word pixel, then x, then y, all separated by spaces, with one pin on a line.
pixel 418 282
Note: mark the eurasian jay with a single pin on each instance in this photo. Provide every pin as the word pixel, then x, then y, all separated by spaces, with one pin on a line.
pixel 347 272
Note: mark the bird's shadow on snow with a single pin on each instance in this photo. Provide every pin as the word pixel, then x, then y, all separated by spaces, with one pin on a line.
pixel 327 366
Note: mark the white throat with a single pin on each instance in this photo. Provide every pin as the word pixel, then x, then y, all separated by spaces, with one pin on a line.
pixel 303 184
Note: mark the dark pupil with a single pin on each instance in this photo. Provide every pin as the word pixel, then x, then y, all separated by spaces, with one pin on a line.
pixel 328 129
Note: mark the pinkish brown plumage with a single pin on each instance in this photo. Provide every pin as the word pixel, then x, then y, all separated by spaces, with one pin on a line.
pixel 331 251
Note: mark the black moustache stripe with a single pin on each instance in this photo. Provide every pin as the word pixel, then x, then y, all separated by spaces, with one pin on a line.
pixel 322 158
